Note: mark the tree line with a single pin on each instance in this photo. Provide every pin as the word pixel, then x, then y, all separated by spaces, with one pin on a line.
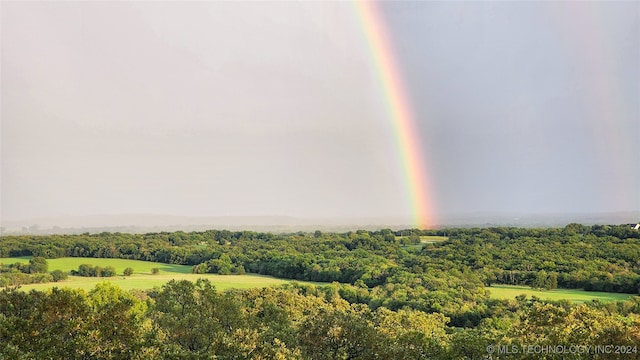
pixel 378 269
pixel 193 320
pixel 599 258
pixel 33 272
pixel 389 295
pixel 594 258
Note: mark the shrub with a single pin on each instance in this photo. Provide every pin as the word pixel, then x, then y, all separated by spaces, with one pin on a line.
pixel 38 264
pixel 199 269
pixel 155 271
pixel 94 271
pixel 108 271
pixel 41 278
pixel 239 270
pixel 128 271
pixel 84 270
pixel 59 275
pixel 97 271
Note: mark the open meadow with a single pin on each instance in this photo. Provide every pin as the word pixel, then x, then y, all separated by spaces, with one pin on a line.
pixel 576 296
pixel 430 239
pixel 424 240
pixel 142 277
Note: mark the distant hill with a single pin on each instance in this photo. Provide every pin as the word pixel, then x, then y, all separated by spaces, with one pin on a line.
pixel 142 223
pixel 136 223
pixel 538 220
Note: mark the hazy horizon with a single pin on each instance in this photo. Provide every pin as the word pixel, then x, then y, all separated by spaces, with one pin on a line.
pixel 213 109
pixel 146 223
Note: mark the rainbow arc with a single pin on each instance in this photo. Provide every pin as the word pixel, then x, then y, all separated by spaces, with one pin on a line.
pixel 397 103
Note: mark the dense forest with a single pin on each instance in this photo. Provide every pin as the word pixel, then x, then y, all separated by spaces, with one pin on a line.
pixel 390 295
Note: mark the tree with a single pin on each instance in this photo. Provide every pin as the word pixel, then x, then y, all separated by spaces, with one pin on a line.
pixel 97 271
pixel 541 280
pixel 58 317
pixel 155 271
pixel 127 271
pixel 339 331
pixel 108 271
pixel 552 281
pixel 84 270
pixel 59 275
pixel 199 269
pixel 38 264
pixel 239 270
pixel 411 334
pixel 224 265
pixel 116 323
pixel 196 321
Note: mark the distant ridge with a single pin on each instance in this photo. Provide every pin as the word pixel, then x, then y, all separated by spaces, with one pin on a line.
pixel 142 223
pixel 539 220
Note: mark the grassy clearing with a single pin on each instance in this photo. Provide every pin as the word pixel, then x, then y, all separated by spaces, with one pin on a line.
pixel 424 240
pixel 142 277
pixel 414 247
pixel 146 281
pixel 427 239
pixel 140 267
pixel 430 239
pixel 577 296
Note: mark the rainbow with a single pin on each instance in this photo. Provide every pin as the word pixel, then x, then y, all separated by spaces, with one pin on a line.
pixel 399 111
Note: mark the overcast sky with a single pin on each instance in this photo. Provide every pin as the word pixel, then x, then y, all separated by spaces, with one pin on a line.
pixel 274 108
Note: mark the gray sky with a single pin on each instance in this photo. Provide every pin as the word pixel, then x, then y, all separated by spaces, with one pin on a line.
pixel 274 108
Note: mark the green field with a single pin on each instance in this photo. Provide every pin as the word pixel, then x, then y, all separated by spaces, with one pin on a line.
pixel 71 263
pixel 142 277
pixel 425 239
pixel 430 239
pixel 579 296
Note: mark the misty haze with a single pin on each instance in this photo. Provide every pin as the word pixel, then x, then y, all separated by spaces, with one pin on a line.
pixel 279 113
